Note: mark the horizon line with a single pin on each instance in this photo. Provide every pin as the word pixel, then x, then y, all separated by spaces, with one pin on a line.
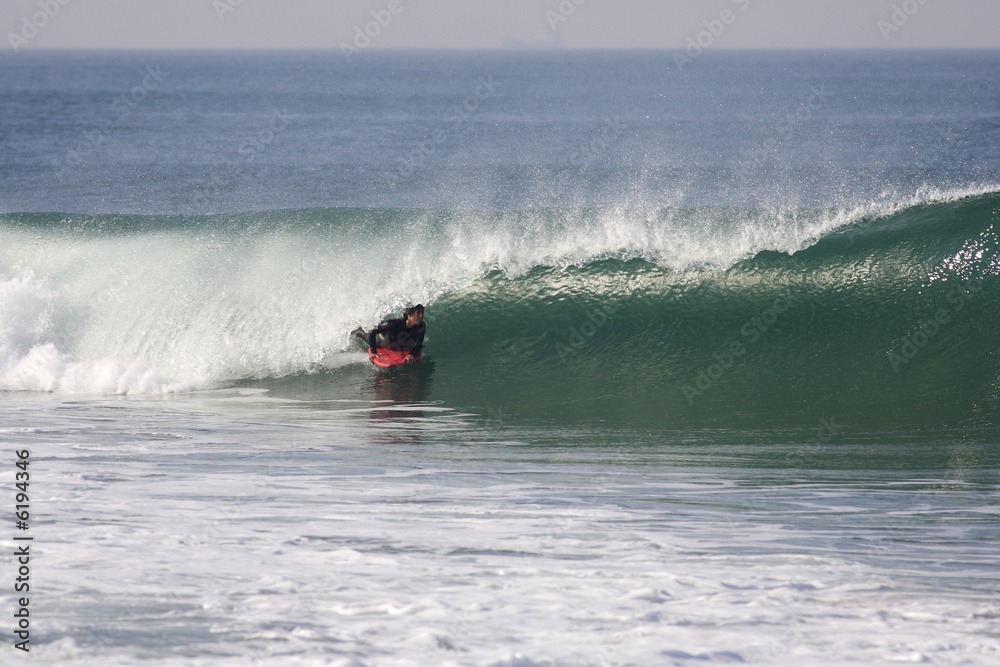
pixel 540 48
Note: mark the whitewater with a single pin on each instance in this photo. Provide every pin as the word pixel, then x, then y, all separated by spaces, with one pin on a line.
pixel 702 385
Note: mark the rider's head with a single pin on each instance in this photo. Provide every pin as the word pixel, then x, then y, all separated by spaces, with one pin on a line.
pixel 414 314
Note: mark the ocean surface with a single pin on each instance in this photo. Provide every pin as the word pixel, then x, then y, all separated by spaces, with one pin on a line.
pixel 712 372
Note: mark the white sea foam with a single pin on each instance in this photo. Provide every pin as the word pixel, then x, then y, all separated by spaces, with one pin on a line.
pixel 246 541
pixel 30 361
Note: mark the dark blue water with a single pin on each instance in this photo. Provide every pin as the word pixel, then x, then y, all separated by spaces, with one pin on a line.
pixel 201 133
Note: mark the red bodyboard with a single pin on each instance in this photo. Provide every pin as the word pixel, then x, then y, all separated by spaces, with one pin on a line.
pixel 388 358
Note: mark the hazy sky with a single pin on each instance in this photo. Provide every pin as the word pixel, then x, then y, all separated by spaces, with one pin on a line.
pixel 663 24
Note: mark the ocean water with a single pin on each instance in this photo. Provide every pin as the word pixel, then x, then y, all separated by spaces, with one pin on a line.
pixel 711 374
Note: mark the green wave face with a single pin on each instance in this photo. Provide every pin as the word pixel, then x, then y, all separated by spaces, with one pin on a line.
pixel 891 322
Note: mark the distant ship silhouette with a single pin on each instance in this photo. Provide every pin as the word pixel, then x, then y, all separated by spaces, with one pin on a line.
pixel 556 43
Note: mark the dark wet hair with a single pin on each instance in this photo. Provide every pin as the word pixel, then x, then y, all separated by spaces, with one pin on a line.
pixel 419 308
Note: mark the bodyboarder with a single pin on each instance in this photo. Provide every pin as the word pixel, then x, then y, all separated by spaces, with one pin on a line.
pixel 405 334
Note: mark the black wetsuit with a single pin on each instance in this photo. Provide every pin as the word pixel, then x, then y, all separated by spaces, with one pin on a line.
pixel 395 335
